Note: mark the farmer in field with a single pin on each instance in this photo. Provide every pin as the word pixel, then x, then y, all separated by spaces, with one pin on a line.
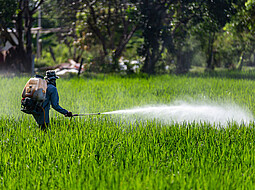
pixel 51 99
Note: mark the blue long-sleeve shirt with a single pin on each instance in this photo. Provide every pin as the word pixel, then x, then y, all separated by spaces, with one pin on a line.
pixel 52 98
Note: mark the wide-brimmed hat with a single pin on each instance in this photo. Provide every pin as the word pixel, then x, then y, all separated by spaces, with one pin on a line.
pixel 50 75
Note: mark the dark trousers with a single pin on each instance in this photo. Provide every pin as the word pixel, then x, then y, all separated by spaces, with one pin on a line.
pixel 44 126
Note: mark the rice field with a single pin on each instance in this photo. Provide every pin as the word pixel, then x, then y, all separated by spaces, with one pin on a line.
pixel 116 152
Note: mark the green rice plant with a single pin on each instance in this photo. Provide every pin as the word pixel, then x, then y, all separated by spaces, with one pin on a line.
pixel 115 152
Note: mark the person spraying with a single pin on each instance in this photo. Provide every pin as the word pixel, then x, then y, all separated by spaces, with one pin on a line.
pixel 38 95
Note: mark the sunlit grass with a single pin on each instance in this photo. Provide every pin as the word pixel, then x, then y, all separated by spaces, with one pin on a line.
pixel 102 152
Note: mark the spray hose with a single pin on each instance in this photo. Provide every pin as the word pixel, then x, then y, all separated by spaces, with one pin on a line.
pixel 43 115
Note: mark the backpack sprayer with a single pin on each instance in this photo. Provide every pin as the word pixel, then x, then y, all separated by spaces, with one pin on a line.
pixel 34 94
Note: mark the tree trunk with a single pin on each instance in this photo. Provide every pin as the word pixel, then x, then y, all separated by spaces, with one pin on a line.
pixel 183 62
pixel 28 63
pixel 253 63
pixel 149 64
pixel 52 54
pixel 19 57
pixel 180 68
pixel 210 64
pixel 240 63
pixel 16 56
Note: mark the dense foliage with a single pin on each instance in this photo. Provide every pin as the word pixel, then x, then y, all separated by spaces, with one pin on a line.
pixel 162 36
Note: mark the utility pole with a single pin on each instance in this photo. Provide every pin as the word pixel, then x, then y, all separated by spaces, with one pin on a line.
pixel 33 65
pixel 38 33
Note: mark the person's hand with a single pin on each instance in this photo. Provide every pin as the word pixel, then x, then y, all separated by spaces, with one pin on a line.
pixel 69 114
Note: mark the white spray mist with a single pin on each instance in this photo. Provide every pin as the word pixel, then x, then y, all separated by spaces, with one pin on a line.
pixel 179 112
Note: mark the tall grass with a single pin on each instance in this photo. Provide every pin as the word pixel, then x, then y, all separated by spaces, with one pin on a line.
pixel 101 152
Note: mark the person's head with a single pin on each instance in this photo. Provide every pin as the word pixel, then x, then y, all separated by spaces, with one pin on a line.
pixel 51 77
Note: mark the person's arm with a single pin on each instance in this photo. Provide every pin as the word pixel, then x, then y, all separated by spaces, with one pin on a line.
pixel 55 102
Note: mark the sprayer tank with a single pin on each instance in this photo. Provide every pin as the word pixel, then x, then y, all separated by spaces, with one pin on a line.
pixel 35 88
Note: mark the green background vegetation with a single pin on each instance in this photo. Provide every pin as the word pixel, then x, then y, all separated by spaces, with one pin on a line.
pixel 163 36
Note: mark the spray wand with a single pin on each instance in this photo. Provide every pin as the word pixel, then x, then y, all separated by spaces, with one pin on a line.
pixel 86 114
pixel 75 115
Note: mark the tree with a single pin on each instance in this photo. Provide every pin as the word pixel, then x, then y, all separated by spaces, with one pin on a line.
pixel 155 26
pixel 62 14
pixel 19 18
pixel 111 23
pixel 165 25
pixel 5 22
pixel 214 16
pixel 186 14
pixel 245 18
pixel 242 30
